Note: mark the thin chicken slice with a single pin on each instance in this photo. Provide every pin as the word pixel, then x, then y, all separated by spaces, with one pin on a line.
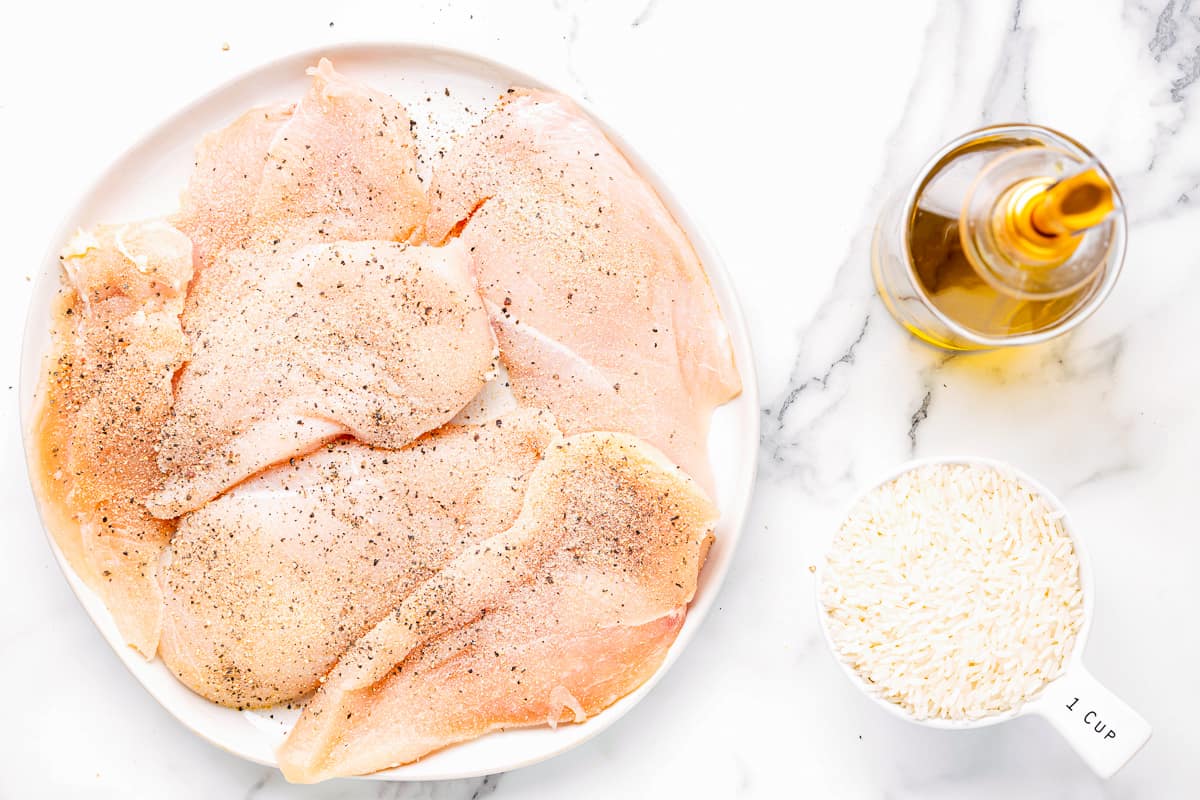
pixel 117 344
pixel 343 167
pixel 603 310
pixel 340 164
pixel 269 584
pixel 553 620
pixel 216 209
pixel 379 340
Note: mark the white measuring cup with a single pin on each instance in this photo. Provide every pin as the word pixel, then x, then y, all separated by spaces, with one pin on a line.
pixel 1101 727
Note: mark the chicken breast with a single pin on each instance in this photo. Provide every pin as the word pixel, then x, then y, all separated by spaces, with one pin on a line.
pixel 270 583
pixel 340 164
pixel 379 340
pixel 343 167
pixel 553 620
pixel 117 343
pixel 216 209
pixel 603 311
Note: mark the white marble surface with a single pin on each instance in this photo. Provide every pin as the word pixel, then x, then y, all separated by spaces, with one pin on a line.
pixel 781 126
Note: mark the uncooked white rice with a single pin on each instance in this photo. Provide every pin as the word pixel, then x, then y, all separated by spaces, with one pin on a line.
pixel 954 592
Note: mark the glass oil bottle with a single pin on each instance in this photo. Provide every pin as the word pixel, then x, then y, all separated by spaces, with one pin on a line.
pixel 1010 235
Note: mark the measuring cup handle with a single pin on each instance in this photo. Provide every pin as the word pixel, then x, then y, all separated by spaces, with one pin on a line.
pixel 1099 725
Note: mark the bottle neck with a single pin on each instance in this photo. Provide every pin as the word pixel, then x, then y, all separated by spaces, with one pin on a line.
pixel 1015 230
pixel 1020 223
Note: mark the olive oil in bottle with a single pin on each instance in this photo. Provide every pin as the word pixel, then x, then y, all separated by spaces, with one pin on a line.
pixel 1011 235
pixel 960 292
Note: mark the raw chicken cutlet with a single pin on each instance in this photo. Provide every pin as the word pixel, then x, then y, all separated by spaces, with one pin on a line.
pixel 269 584
pixel 339 165
pixel 216 210
pixel 551 621
pixel 294 343
pixel 603 311
pixel 117 343
pixel 378 340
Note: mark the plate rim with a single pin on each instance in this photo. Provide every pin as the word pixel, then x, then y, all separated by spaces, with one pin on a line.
pixel 728 299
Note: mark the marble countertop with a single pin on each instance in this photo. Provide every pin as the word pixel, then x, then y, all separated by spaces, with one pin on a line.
pixel 782 126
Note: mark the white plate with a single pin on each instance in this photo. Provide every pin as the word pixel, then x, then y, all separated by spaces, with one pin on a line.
pixel 146 182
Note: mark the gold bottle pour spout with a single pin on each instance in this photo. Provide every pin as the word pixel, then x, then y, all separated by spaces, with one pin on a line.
pixel 1041 217
pixel 1074 204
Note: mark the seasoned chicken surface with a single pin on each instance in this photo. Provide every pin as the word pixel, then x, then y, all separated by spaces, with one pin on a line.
pixel 216 210
pixel 379 340
pixel 343 167
pixel 553 620
pixel 339 165
pixel 269 584
pixel 603 311
pixel 117 343
pixel 307 319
